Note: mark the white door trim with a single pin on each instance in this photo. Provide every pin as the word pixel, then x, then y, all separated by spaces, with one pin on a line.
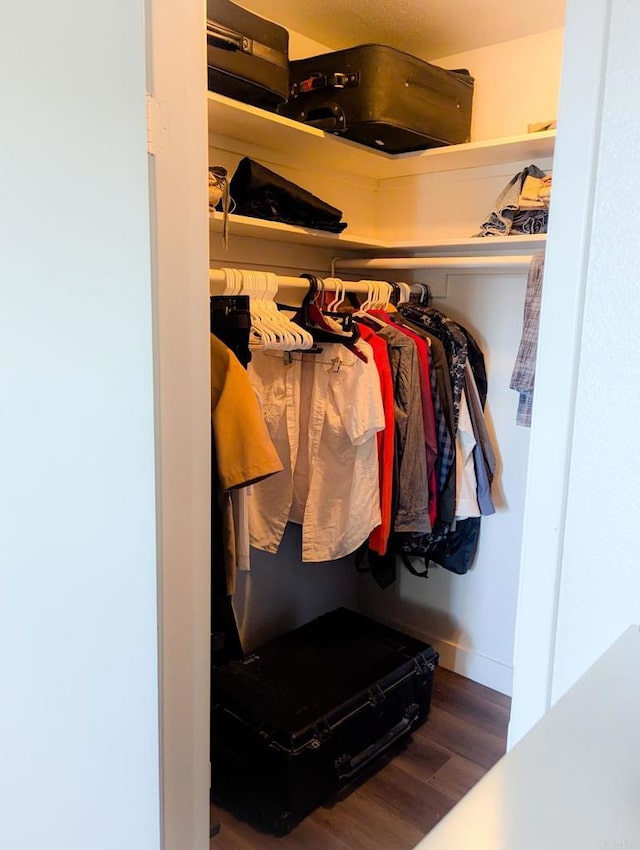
pixel 178 162
pixel 566 265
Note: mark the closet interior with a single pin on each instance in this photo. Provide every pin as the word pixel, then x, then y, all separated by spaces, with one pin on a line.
pixel 412 218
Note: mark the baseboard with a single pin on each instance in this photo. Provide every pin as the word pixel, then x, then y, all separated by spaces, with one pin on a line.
pixel 479 668
pixel 472 665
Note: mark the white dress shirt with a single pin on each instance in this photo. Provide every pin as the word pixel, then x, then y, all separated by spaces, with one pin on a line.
pixel 322 412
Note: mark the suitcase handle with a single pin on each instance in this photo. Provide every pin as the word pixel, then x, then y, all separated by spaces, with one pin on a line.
pixel 349 769
pixel 319 81
pixel 328 117
pixel 228 39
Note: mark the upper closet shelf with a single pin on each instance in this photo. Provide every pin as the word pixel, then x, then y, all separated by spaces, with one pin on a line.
pixel 257 228
pixel 241 225
pixel 230 119
pixel 485 246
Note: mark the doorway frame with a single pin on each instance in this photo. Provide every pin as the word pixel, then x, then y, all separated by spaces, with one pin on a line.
pixel 179 204
pixel 575 175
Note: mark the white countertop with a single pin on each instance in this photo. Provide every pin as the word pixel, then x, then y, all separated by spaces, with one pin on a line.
pixel 573 782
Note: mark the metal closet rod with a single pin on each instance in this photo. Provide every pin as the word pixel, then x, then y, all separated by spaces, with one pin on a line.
pixel 293 285
pixel 508 262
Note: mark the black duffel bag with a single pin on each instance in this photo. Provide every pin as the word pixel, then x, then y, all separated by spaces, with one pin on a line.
pixel 258 192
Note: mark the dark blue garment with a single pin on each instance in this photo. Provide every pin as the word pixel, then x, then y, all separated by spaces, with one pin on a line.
pixel 454 552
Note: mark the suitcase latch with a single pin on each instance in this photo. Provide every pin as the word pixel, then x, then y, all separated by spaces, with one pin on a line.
pixel 321 733
pixel 424 666
pixel 412 711
pixel 266 732
pixel 376 695
pixel 319 81
pixel 342 762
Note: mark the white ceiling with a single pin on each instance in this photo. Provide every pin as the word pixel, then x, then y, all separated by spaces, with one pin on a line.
pixel 430 29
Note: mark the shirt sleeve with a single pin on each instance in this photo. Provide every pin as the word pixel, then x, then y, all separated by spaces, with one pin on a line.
pixel 466 483
pixel 243 446
pixel 358 397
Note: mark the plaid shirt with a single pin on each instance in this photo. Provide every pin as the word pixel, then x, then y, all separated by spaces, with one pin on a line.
pixel 524 370
pixel 455 345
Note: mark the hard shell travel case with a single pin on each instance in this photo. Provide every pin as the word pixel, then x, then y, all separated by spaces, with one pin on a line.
pixel 248 57
pixel 382 97
pixel 304 715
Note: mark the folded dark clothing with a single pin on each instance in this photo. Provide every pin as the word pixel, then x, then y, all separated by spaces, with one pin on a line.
pixel 530 221
pixel 259 192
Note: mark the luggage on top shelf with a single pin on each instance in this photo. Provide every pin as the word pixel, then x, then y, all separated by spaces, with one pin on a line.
pixel 248 57
pixel 305 715
pixel 382 97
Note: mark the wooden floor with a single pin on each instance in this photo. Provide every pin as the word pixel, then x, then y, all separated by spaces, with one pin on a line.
pixel 464 736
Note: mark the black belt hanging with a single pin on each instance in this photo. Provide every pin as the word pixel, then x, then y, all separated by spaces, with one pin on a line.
pixel 230 321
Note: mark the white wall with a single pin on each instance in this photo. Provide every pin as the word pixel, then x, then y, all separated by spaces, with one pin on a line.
pixel 280 592
pixel 516 83
pixel 600 578
pixel 78 608
pixel 301 46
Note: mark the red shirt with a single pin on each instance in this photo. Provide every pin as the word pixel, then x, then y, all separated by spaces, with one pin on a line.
pixel 379 538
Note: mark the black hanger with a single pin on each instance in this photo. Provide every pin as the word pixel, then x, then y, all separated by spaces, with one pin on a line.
pixel 230 321
pixel 395 295
pixel 306 319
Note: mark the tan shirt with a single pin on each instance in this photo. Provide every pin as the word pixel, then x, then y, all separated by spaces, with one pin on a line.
pixel 244 450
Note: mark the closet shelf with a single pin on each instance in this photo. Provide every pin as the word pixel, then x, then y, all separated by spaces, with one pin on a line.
pixel 239 122
pixel 471 246
pixel 273 231
pixel 257 228
pixel 494 262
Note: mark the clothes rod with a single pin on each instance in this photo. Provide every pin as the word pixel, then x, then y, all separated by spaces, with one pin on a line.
pixel 292 286
pixel 502 263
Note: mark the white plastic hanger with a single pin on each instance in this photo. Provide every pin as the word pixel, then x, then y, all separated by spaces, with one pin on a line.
pixel 267 287
pixel 370 302
pixel 405 292
pixel 366 304
pixel 340 289
pixel 340 292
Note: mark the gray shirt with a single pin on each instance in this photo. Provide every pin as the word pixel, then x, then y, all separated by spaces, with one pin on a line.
pixel 412 491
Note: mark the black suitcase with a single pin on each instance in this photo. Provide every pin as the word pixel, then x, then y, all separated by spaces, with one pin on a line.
pixel 306 714
pixel 248 57
pixel 382 97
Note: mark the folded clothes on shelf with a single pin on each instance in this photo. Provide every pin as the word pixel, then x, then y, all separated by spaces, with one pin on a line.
pixel 535 193
pixel 522 206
